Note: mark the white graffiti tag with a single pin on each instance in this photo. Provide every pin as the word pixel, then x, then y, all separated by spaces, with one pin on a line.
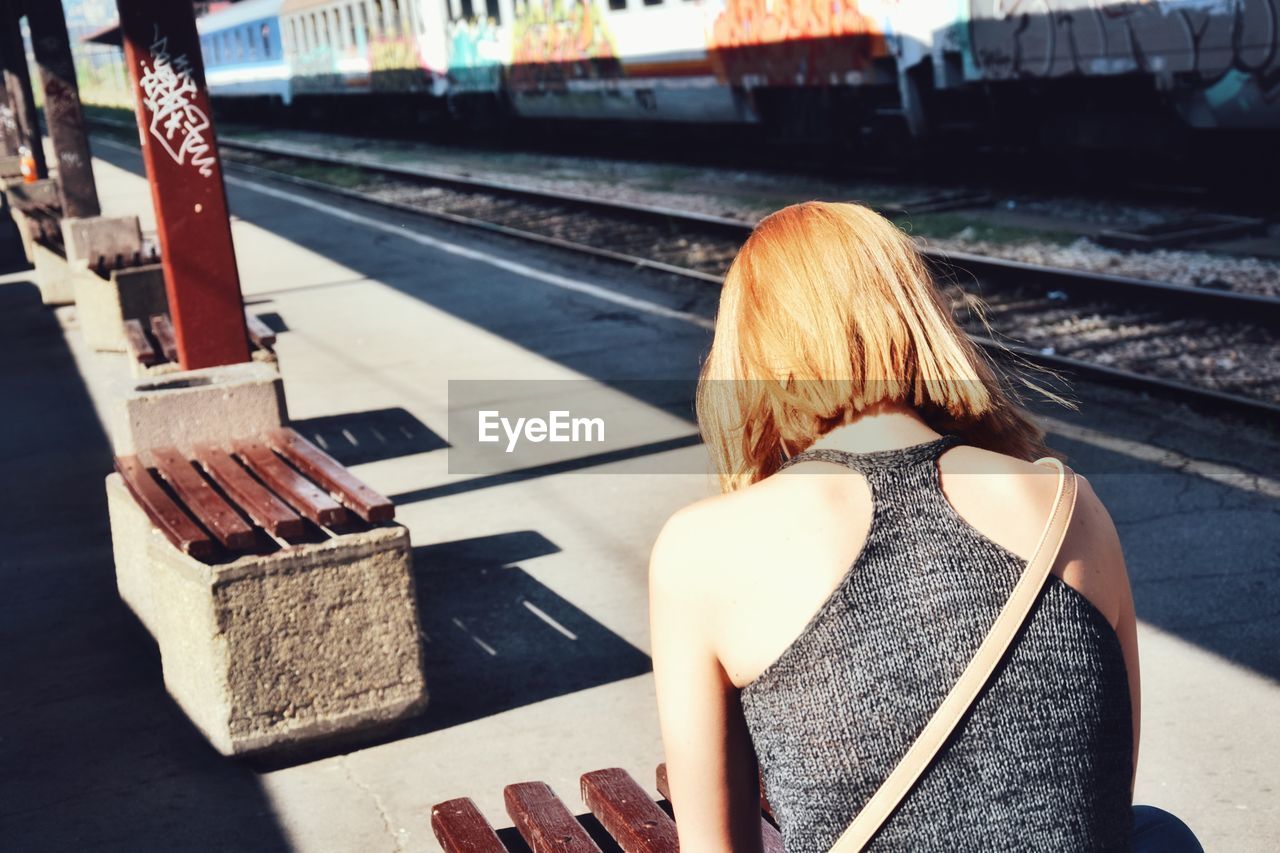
pixel 168 89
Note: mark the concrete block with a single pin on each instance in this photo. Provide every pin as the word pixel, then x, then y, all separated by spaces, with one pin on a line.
pixel 53 275
pixel 279 649
pixel 43 192
pixel 92 237
pixel 103 304
pixel 19 195
pixel 131 531
pixel 213 404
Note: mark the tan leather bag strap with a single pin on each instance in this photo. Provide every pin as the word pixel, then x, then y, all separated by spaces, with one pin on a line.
pixel 971 681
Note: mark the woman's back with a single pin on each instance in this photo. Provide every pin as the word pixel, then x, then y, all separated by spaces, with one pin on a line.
pixel 898 587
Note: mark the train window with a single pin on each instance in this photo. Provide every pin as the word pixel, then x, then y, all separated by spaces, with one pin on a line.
pixel 360 23
pixel 653 2
pixel 266 40
pixel 352 34
pixel 491 9
pixel 618 5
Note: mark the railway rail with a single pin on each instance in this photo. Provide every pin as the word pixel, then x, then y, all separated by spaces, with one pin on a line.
pixel 1065 315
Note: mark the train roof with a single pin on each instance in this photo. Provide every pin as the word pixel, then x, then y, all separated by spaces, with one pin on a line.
pixel 244 12
pixel 301 5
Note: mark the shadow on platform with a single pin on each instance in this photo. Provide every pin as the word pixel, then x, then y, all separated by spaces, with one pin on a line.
pixel 95 755
pixel 360 437
pixel 496 638
pixel 1201 553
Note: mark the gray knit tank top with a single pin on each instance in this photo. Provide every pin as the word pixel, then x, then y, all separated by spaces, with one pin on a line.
pixel 1043 759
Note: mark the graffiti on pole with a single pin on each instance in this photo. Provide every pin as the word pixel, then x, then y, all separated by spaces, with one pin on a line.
pixel 168 92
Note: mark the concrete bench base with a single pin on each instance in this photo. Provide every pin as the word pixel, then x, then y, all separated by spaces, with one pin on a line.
pixel 280 649
pixel 93 237
pixel 103 304
pixel 18 193
pixel 53 275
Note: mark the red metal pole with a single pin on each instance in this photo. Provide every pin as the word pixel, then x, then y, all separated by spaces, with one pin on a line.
pixel 179 149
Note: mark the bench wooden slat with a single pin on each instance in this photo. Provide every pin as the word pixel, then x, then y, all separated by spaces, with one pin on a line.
pixel 166 515
pixel 324 469
pixel 214 513
pixel 163 330
pixel 460 828
pixel 266 510
pixel 627 812
pixel 259 332
pixel 139 346
pixel 769 832
pixel 545 823
pixel 297 491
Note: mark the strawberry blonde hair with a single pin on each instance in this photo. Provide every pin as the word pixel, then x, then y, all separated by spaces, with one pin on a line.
pixel 829 309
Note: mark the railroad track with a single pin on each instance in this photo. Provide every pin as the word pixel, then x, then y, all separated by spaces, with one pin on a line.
pixel 1123 331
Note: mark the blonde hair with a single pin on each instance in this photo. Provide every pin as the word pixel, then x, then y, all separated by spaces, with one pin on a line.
pixel 829 309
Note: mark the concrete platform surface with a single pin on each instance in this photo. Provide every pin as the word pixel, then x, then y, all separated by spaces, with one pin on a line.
pixel 531 586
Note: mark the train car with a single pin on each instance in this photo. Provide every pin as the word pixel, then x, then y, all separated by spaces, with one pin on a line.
pixel 1057 73
pixel 661 60
pixel 243 52
pixel 1090 71
pixel 345 47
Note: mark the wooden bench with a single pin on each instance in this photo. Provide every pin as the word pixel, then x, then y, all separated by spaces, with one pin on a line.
pixel 44 222
pixel 153 343
pixel 255 496
pixel 278 587
pixel 37 211
pixel 633 821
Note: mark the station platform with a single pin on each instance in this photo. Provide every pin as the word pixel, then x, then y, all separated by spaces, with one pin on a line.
pixel 532 588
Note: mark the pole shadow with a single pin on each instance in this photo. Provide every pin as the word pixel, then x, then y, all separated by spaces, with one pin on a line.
pixel 94 754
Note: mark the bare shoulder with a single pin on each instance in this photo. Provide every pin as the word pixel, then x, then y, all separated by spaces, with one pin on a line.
pixel 696 533
pixel 701 541
pixel 1009 500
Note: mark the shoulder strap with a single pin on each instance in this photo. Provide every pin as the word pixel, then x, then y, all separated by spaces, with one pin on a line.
pixel 971 681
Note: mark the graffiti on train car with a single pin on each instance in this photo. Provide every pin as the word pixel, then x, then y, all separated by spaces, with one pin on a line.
pixel 547 43
pixel 475 55
pixel 316 69
pixel 793 42
pixel 1227 49
pixel 554 41
pixel 396 65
